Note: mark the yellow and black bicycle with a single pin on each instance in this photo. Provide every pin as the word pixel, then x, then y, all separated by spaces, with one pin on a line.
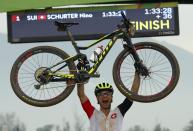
pixel 44 76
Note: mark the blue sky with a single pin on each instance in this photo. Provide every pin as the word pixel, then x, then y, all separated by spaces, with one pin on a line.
pixel 173 112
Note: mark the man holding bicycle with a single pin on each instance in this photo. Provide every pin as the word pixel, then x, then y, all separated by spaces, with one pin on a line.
pixel 106 119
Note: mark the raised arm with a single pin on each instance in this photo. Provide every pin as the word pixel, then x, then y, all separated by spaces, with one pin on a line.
pixel 87 106
pixel 81 94
pixel 127 103
pixel 136 83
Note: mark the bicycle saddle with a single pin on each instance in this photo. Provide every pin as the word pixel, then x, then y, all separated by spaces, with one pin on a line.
pixel 62 25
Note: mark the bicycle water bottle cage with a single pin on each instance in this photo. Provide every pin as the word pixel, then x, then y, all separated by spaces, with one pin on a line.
pixel 62 26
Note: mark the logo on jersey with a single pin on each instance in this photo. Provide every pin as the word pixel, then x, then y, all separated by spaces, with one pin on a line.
pixel 113 116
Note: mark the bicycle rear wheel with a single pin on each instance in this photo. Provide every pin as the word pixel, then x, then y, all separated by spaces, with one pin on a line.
pixel 24 78
pixel 162 65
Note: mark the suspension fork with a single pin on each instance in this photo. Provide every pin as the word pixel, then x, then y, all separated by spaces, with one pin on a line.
pixel 131 48
pixel 139 66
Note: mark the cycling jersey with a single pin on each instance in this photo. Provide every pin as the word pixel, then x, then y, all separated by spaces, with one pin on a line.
pixel 98 120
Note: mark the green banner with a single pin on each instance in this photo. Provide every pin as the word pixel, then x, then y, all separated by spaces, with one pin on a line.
pixel 14 5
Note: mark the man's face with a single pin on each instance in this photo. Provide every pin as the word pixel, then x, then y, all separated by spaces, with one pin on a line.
pixel 104 99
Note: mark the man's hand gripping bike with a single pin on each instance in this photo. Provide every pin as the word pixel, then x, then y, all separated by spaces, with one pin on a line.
pixel 44 76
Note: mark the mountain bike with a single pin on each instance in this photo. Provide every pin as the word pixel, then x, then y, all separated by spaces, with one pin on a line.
pixel 44 76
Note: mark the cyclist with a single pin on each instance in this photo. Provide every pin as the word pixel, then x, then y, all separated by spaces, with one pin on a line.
pixel 106 119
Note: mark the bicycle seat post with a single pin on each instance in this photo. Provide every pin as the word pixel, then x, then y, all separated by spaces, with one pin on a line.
pixel 72 40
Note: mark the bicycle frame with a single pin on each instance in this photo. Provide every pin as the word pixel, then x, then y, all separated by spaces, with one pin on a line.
pixel 112 36
pixel 106 50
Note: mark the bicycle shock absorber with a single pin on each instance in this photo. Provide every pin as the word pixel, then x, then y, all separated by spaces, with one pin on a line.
pixel 83 66
pixel 139 66
pixel 83 63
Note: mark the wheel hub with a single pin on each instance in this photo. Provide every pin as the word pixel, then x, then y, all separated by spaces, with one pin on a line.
pixel 42 75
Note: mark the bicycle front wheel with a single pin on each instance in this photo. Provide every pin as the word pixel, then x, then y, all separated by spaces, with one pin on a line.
pixel 24 76
pixel 163 72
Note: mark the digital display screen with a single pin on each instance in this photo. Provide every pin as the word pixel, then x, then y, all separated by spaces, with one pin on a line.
pixel 94 22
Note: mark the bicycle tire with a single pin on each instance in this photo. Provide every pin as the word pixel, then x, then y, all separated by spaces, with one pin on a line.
pixel 149 95
pixel 23 72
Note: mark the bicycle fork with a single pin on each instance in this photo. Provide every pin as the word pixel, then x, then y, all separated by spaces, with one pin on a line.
pixel 138 64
